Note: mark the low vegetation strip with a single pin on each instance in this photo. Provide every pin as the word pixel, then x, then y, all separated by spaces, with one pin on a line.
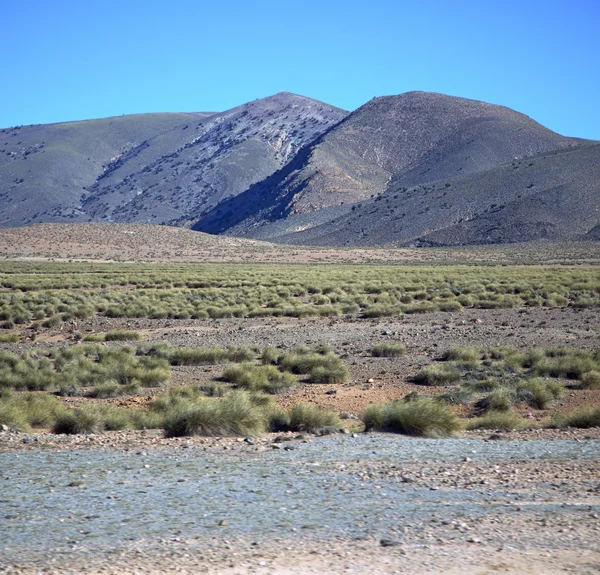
pixel 49 294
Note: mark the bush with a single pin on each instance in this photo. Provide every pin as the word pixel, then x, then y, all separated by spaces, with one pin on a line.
pixel 322 367
pixel 469 354
pixel 278 420
pixel 538 393
pixel 259 378
pixel 270 355
pixel 582 418
pixel 80 420
pixel 197 355
pixel 122 335
pixel 388 350
pixel 235 415
pixel 590 380
pixel 29 410
pixel 311 418
pixel 333 373
pixel 436 375
pixel 94 337
pixel 9 337
pixel 499 420
pixel 500 399
pixel 422 417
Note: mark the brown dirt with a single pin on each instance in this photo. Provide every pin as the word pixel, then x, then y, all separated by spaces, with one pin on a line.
pixel 137 242
pixel 372 380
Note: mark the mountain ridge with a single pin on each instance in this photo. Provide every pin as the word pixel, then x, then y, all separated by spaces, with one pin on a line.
pixel 288 168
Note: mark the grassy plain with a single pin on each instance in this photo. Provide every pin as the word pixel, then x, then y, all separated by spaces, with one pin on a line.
pixel 64 324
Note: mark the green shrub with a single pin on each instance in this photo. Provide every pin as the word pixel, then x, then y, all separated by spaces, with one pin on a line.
pixel 234 415
pixel 9 337
pixel 29 410
pixel 500 400
pixel 450 306
pixel 122 335
pixel 270 355
pixel 581 418
pixel 422 417
pixel 311 418
pixel 388 350
pixel 505 420
pixel 538 393
pixel 437 375
pixel 278 420
pixel 259 378
pixel 457 353
pixel 569 367
pixel 87 419
pixel 335 372
pixel 590 380
pixel 197 355
pixel 93 337
pixel 323 367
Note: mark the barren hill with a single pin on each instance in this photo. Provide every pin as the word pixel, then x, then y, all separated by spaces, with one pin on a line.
pixel 553 195
pixel 153 168
pixel 389 142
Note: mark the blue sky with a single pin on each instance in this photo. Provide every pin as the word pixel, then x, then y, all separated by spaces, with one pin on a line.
pixel 68 60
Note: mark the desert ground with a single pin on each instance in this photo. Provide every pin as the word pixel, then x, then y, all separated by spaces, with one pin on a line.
pixel 333 500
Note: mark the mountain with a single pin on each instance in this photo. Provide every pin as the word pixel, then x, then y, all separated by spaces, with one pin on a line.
pixel 553 195
pixel 159 168
pixel 414 169
pixel 389 142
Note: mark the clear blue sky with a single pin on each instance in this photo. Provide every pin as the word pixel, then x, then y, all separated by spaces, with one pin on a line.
pixel 78 59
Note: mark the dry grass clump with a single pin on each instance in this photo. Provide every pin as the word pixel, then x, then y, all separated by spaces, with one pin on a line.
pixel 581 418
pixel 590 380
pixel 323 367
pixel 437 375
pixel 234 415
pixel 122 335
pixel 98 418
pixel 422 417
pixel 265 378
pixel 32 410
pixel 388 350
pixel 500 420
pixel 9 337
pixel 309 417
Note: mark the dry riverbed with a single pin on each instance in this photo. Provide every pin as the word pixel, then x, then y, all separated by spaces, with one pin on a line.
pixel 353 503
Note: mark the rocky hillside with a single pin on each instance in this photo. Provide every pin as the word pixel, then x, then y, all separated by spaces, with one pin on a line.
pixel 553 196
pixel 389 142
pixel 156 168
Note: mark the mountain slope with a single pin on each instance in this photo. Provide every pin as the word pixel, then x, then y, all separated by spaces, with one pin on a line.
pixel 392 141
pixel 151 167
pixel 172 183
pixel 44 169
pixel 554 196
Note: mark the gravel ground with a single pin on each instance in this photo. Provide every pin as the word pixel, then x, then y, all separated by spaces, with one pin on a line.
pixel 367 503
pixel 425 336
pixel 135 502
